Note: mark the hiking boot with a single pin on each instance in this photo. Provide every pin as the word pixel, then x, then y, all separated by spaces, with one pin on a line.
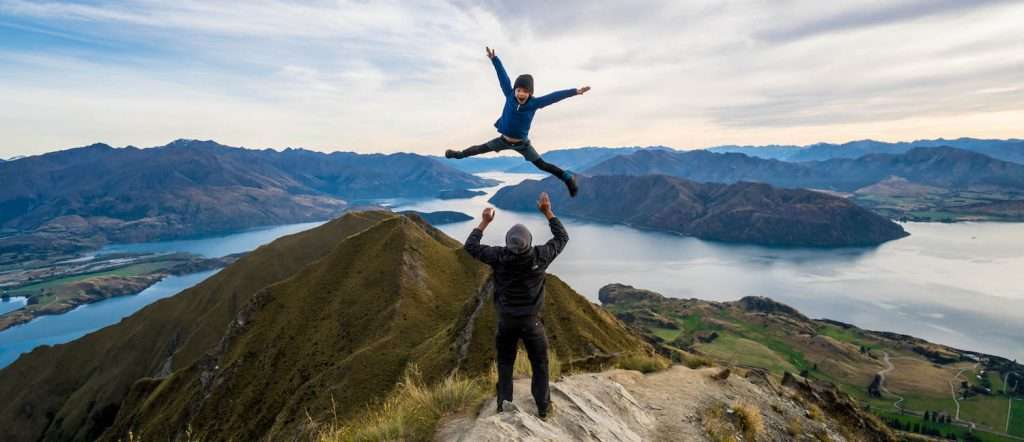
pixel 546 412
pixel 573 187
pixel 507 406
pixel 452 154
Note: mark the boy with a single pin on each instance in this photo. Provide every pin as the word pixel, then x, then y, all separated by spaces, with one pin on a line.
pixel 514 123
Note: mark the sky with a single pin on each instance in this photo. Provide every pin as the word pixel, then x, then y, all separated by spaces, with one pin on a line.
pixel 382 76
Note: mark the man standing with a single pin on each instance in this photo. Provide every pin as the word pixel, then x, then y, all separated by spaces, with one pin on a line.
pixel 519 270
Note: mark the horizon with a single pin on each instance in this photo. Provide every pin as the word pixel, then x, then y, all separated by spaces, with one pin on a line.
pixel 507 154
pixel 338 76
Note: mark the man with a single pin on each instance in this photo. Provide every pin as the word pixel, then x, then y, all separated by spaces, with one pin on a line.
pixel 519 270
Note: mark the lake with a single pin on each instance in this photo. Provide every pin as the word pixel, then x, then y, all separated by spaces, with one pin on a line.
pixel 956 284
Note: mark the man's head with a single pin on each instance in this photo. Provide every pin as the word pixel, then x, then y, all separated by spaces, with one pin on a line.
pixel 518 239
pixel 523 87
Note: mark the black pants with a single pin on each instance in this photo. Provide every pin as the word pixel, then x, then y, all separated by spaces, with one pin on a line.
pixel 524 147
pixel 531 330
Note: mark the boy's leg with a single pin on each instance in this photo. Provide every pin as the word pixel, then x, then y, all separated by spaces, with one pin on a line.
pixel 536 342
pixel 490 146
pixel 532 156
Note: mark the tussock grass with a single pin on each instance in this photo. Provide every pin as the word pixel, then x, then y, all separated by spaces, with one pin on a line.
pixel 411 412
pixel 751 422
pixel 814 412
pixel 642 363
pixel 716 423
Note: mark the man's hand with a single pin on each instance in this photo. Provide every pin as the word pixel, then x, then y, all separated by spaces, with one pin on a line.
pixel 582 90
pixel 486 218
pixel 544 205
pixel 490 52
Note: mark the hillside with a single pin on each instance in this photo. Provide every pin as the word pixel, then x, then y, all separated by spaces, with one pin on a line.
pixel 742 212
pixel 896 375
pixel 77 199
pixel 316 323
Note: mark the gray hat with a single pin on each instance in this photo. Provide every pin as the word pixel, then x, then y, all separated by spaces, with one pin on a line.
pixel 518 239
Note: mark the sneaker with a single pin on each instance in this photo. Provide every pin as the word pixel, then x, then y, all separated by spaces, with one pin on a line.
pixel 573 187
pixel 507 406
pixel 451 154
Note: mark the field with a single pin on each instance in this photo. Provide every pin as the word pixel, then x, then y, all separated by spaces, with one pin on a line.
pixel 1016 426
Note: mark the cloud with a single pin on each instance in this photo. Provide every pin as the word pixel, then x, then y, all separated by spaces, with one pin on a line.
pixel 412 76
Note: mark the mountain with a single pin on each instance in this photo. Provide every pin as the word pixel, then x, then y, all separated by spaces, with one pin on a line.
pixel 575 159
pixel 943 167
pixel 188 188
pixel 1006 150
pixel 877 368
pixel 742 212
pixel 580 158
pixel 313 325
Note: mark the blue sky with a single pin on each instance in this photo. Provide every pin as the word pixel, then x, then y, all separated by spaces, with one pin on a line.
pixel 412 76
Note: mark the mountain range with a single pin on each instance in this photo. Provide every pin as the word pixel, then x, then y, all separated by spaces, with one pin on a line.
pixel 79 198
pixel 575 159
pixel 740 212
pixel 1006 150
pixel 311 327
pixel 943 167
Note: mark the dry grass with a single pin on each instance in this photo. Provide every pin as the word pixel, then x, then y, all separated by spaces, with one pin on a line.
pixel 411 412
pixel 793 427
pixel 814 412
pixel 694 361
pixel 717 425
pixel 751 422
pixel 522 368
pixel 642 363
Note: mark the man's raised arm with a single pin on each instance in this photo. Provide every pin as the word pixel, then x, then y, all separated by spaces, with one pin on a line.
pixel 560 237
pixel 557 96
pixel 486 254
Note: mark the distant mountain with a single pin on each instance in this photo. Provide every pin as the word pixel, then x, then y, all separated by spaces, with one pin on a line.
pixel 309 328
pixel 580 158
pixel 440 217
pixel 743 212
pixel 1006 150
pixel 575 159
pixel 939 166
pixel 193 187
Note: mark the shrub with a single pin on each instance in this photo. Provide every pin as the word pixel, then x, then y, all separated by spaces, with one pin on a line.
pixel 750 420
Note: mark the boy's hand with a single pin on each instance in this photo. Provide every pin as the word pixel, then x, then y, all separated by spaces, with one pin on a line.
pixel 490 52
pixel 544 205
pixel 582 90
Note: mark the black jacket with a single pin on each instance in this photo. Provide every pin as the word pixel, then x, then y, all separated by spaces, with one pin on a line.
pixel 519 278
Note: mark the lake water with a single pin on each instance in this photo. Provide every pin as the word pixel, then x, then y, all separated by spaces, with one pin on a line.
pixel 956 284
pixel 56 329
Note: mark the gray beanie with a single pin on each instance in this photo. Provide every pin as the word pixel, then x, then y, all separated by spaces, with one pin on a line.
pixel 518 239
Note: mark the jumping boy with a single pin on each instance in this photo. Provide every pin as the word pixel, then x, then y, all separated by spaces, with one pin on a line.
pixel 514 123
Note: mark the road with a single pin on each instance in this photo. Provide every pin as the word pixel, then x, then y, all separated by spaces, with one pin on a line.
pixel 881 381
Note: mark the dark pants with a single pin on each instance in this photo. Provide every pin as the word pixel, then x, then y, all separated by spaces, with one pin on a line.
pixel 523 147
pixel 531 330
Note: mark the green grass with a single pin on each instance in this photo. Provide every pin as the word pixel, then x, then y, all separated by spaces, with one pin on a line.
pixel 846 335
pixel 130 270
pixel 740 350
pixel 1017 417
pixel 667 334
pixel 989 411
pixel 960 432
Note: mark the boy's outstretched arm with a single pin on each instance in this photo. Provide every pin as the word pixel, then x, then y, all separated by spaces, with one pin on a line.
pixel 503 80
pixel 557 96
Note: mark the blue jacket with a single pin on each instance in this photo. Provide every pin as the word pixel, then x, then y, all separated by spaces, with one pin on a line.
pixel 516 118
